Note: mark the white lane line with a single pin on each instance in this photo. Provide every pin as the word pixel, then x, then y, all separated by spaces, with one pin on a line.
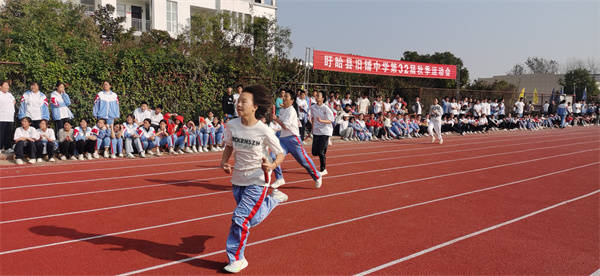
pixel 292 169
pixel 476 233
pixel 356 219
pixel 314 198
pixel 216 168
pixel 291 182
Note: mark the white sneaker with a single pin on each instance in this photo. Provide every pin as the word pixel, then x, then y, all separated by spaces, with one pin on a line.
pixel 143 154
pixel 441 141
pixel 113 156
pixel 81 157
pixel 204 149
pixel 96 155
pixel 19 161
pixel 40 160
pixel 171 151
pixel 279 196
pixel 89 156
pixel 129 155
pixel 106 153
pixel 188 150
pixel 63 158
pixel 73 157
pixel 236 266
pixel 278 183
pixel 180 151
pixel 51 159
pixel 432 139
pixel 32 161
pixel 121 155
pixel 324 172
pixel 158 152
pixel 213 148
pixel 149 152
pixel 194 149
pixel 319 182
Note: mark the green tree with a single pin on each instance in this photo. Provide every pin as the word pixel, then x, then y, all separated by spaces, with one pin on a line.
pixel 110 26
pixel 575 81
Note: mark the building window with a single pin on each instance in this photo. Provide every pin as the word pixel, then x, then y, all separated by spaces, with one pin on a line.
pixel 258 1
pixel 88 5
pixel 172 16
pixel 121 10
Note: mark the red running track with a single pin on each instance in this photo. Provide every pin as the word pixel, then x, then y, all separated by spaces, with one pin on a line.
pixel 388 208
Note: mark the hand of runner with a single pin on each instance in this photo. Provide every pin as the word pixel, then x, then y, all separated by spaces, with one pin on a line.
pixel 226 167
pixel 267 166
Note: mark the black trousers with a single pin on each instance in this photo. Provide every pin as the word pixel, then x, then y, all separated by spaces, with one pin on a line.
pixel 59 124
pixel 6 135
pixel 67 148
pixel 85 146
pixel 25 147
pixel 319 148
pixel 39 145
pixel 302 129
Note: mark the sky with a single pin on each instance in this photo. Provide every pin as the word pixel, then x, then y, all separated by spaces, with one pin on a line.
pixel 490 36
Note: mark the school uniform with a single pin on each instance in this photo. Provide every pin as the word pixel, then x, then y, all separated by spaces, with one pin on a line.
pixel 219 132
pixel 164 139
pixel 7 119
pixel 303 108
pixel 250 184
pixel 25 146
pixel 208 134
pixel 132 138
pixel 436 112
pixel 290 142
pixel 106 106
pixel 155 119
pixel 46 142
pixel 141 115
pixel 82 143
pixel 321 132
pixel 102 137
pixel 60 108
pixel 66 146
pixel 147 137
pixel 34 106
pixel 116 144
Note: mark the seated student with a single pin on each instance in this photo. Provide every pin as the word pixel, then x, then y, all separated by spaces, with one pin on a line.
pixel 414 126
pixel 483 123
pixel 46 142
pixel 132 137
pixel 219 132
pixel 360 121
pixel 387 125
pixel 192 136
pixel 102 133
pixel 208 135
pixel 358 131
pixel 148 137
pixel 396 127
pixel 372 126
pixel 180 135
pixel 423 125
pixel 25 137
pixel 405 123
pixel 345 130
pixel 85 141
pixel 66 142
pixel 116 140
pixel 164 137
pixel 383 133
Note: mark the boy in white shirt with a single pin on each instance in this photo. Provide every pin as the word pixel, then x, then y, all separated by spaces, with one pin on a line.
pixel 7 116
pixel 47 141
pixel 25 137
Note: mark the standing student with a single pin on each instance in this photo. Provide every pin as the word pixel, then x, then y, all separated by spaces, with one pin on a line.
pixel 247 139
pixel 106 105
pixel 60 101
pixel 417 107
pixel 279 101
pixel 236 96
pixel 519 107
pixel 435 113
pixel 291 143
pixel 25 137
pixel 322 117
pixel 34 105
pixel 85 140
pixel 7 116
pixel 303 108
pixel 66 142
pixel 227 103
pixel 363 104
pixel 46 141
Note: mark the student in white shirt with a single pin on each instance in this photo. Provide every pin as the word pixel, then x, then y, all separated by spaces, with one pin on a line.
pixel 378 106
pixel 142 113
pixel 25 137
pixel 363 104
pixel 7 116
pixel 322 118
pixel 34 105
pixel 157 116
pixel 519 106
pixel 290 141
pixel 436 112
pixel 46 141
pixel 248 139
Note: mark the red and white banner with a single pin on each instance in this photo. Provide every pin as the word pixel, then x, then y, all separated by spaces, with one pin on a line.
pixel 331 61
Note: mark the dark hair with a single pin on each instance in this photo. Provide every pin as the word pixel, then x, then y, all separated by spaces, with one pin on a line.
pixel 26 119
pixel 262 99
pixel 162 121
pixel 83 120
pixel 239 86
pixel 148 120
pixel 44 120
pixel 103 120
pixel 58 83
pixel 130 115
pixel 144 102
pixel 67 122
pixel 33 82
pixel 158 106
pixel 5 81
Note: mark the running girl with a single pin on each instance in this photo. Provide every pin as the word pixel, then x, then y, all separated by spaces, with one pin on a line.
pixel 248 138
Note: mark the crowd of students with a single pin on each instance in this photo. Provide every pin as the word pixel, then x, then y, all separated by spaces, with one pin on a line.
pixel 145 132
